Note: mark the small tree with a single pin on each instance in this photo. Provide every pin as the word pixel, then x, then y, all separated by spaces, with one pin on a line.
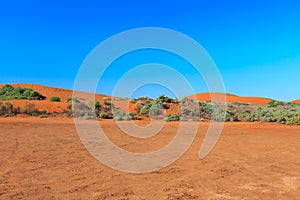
pixel 97 105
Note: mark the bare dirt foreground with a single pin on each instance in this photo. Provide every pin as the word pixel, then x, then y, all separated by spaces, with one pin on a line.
pixel 44 159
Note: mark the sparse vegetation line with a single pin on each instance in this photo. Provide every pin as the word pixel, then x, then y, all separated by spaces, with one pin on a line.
pixel 161 108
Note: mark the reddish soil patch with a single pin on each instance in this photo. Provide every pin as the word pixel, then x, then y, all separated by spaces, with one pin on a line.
pixel 218 97
pixel 44 159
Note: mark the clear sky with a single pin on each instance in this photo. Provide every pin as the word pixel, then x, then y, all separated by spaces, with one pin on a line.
pixel 255 44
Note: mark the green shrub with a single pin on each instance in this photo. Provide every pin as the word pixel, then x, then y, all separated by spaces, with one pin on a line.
pixel 55 99
pixel 155 109
pixel 9 115
pixel 144 111
pixel 97 105
pixel 277 114
pixel 164 99
pixel 243 114
pixel 266 119
pixel 133 100
pixel 44 111
pixel 70 106
pixel 119 115
pixel 187 100
pixel 256 114
pixel 133 116
pixel 127 117
pixel 118 118
pixel 185 111
pixel 104 116
pixel 274 104
pixel 34 114
pixel 293 121
pixel 106 102
pixel 234 118
pixel 74 99
pixel 8 92
pixel 6 89
pixel 222 115
pixel 80 110
pixel 205 108
pixel 172 117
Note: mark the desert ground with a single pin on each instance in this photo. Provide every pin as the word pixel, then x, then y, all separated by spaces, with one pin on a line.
pixel 45 159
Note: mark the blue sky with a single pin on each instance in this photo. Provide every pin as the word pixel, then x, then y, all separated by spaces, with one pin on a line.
pixel 255 44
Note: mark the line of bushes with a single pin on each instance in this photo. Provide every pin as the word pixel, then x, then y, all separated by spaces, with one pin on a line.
pixel 270 114
pixel 92 110
pixel 193 110
pixel 7 109
pixel 190 110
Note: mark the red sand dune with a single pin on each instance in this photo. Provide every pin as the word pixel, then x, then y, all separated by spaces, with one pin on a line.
pixel 297 101
pixel 48 92
pixel 230 98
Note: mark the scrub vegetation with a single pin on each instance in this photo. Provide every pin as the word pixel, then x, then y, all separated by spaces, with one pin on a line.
pixel 161 108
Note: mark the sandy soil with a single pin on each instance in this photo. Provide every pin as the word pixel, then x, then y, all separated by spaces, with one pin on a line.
pixel 44 159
